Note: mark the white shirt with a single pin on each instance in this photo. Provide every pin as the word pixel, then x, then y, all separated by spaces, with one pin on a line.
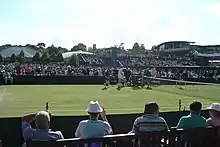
pixel 92 128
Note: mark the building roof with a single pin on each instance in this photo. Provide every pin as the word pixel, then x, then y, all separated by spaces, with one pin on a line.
pixel 174 42
pixel 28 52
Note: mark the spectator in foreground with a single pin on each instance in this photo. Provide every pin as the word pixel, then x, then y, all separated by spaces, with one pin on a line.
pixel 42 133
pixel 94 127
pixel 193 120
pixel 214 111
pixel 150 121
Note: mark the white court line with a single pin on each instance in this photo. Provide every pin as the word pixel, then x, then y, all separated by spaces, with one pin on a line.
pixel 126 109
pixel 3 94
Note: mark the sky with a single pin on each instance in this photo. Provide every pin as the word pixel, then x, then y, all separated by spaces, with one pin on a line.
pixel 109 22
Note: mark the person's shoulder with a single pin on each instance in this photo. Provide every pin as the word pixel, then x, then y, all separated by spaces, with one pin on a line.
pixel 58 133
pixel 185 117
pixel 161 119
pixel 84 121
pixel 105 123
pixel 139 118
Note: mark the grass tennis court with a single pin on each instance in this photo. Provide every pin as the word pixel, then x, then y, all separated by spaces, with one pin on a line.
pixel 17 100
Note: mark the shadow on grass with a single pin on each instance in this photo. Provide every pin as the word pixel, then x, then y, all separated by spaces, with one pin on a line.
pixel 105 88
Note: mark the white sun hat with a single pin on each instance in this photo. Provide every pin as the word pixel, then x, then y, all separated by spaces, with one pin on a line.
pixel 94 107
pixel 214 106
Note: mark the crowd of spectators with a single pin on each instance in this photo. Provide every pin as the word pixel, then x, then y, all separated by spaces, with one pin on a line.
pixel 62 69
pixel 97 125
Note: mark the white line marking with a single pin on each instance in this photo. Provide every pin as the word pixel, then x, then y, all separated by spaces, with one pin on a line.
pixel 3 94
pixel 126 109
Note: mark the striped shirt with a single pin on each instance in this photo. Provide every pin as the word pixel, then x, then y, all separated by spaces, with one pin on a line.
pixel 149 123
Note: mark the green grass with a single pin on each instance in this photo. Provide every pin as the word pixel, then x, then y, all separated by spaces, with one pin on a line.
pixel 73 99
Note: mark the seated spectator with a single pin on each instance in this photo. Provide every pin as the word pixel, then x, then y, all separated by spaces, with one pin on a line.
pixel 42 133
pixel 193 120
pixel 214 111
pixel 94 127
pixel 150 121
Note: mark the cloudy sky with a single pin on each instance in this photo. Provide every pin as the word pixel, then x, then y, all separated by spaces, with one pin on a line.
pixel 109 22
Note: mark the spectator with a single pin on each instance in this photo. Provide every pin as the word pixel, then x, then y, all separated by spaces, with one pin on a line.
pixel 42 133
pixel 214 111
pixel 94 127
pixel 8 77
pixel 193 120
pixel 150 121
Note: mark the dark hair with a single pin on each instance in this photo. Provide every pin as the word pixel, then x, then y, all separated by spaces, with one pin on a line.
pixel 151 108
pixel 195 106
pixel 93 114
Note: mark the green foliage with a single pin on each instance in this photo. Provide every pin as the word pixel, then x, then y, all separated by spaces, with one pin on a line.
pixel 142 47
pixel 53 57
pixel 59 57
pixel 73 60
pixel 41 45
pixel 78 47
pixel 21 57
pixel 136 48
pixel 13 58
pixel 36 57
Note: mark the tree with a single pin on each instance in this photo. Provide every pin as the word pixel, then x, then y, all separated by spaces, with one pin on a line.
pixel 45 57
pixel 1 58
pixel 153 47
pixel 21 56
pixel 73 60
pixel 62 50
pixel 60 57
pixel 142 47
pixel 53 57
pixel 90 49
pixel 52 49
pixel 136 48
pixel 36 57
pixel 8 45
pixel 13 58
pixel 78 47
pixel 41 45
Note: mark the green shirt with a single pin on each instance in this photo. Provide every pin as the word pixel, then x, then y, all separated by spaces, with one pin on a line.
pixel 192 121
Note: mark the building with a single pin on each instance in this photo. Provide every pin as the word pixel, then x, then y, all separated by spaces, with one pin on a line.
pixel 28 52
pixel 174 46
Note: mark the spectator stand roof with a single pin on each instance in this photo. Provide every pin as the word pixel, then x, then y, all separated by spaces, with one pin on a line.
pixel 28 52
pixel 69 54
pixel 189 42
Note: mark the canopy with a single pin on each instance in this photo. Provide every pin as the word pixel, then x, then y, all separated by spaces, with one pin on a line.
pixel 69 54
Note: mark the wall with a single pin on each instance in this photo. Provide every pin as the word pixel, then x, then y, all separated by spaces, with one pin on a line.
pixel 31 80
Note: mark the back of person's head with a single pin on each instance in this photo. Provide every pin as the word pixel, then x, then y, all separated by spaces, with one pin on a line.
pixel 195 107
pixel 42 120
pixel 151 108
